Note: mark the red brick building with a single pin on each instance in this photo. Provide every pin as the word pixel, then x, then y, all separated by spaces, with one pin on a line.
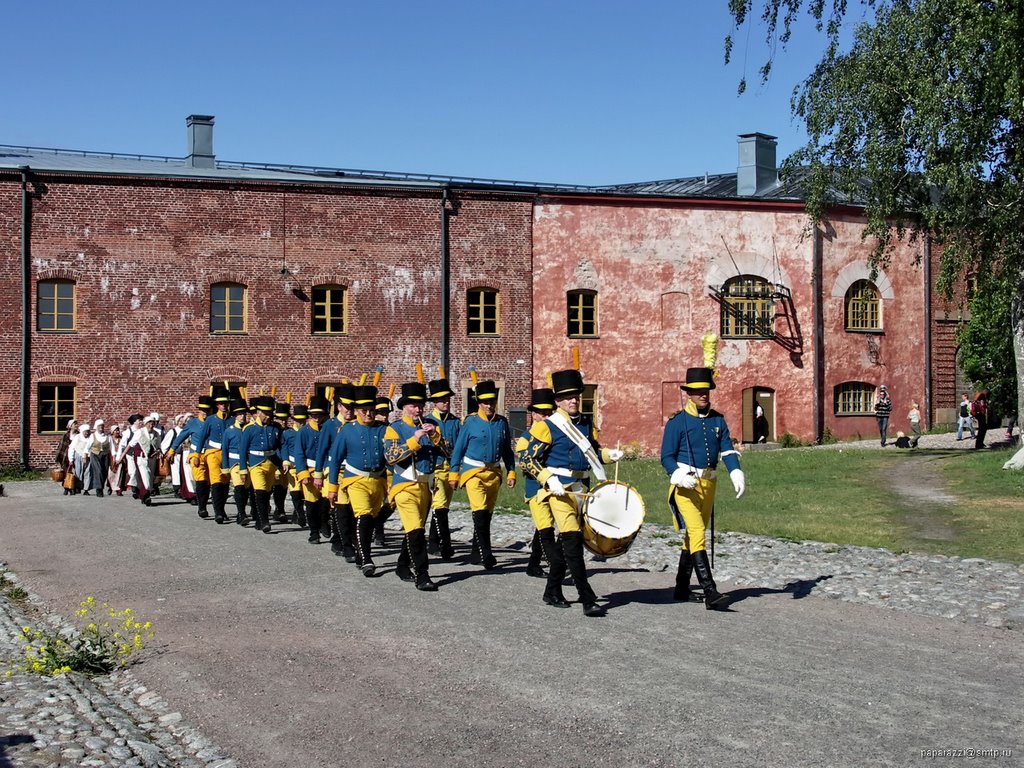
pixel 146 279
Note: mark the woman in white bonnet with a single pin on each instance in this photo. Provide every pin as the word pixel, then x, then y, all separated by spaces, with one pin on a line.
pixel 78 457
pixel 118 475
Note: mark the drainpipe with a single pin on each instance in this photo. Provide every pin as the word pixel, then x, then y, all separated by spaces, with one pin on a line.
pixel 928 331
pixel 819 338
pixel 445 282
pixel 26 324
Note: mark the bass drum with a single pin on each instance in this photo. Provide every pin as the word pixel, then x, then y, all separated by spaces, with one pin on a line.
pixel 612 517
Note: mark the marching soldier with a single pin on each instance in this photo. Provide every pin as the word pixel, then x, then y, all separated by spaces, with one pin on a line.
pixel 357 467
pixel 411 446
pixel 695 440
pixel 341 520
pixel 382 414
pixel 542 405
pixel 187 437
pixel 440 539
pixel 289 472
pixel 562 451
pixel 281 413
pixel 258 459
pixel 483 446
pixel 231 455
pixel 306 447
pixel 209 453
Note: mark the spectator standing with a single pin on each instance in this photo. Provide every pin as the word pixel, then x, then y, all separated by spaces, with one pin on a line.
pixel 980 411
pixel 914 417
pixel 883 410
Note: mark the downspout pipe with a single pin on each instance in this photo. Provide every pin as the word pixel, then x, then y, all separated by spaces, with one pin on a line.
pixel 928 412
pixel 445 283
pixel 819 337
pixel 26 322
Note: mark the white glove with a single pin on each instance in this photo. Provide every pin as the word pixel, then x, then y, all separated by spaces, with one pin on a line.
pixel 555 486
pixel 683 479
pixel 615 454
pixel 739 482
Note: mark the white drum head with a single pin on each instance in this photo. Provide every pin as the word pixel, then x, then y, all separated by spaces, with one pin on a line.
pixel 615 510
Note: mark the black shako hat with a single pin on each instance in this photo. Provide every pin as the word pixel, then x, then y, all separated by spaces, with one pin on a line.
pixel 205 402
pixel 345 394
pixel 300 412
pixel 383 404
pixel 239 406
pixel 264 403
pixel 566 383
pixel 282 411
pixel 412 392
pixel 699 378
pixel 318 404
pixel 364 397
pixel 440 388
pixel 542 400
pixel 486 390
pixel 221 395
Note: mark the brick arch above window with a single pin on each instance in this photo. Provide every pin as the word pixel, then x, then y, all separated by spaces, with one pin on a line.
pixel 721 268
pixel 58 273
pixel 221 277
pixel 60 372
pixel 851 273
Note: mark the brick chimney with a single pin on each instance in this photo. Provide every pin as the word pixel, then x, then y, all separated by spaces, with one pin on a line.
pixel 757 171
pixel 200 141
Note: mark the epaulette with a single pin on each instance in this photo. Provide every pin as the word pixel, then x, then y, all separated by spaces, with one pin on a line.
pixel 673 415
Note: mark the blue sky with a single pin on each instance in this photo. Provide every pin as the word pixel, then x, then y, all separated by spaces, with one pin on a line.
pixel 586 92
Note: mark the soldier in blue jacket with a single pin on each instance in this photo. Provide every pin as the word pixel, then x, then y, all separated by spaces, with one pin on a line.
pixel 341 520
pixel 208 444
pixel 440 539
pixel 258 459
pixel 411 446
pixel 562 451
pixel 230 455
pixel 695 440
pixel 306 447
pixel 483 447
pixel 289 472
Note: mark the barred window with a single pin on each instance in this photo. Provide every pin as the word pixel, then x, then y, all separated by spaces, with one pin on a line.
pixel 56 406
pixel 855 398
pixel 581 314
pixel 863 308
pixel 55 306
pixel 588 402
pixel 482 306
pixel 227 308
pixel 747 308
pixel 330 310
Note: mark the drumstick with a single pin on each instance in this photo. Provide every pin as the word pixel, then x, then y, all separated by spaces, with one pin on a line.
pixel 617 469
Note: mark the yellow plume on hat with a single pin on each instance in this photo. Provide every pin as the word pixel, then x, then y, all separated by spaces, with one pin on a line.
pixel 709 343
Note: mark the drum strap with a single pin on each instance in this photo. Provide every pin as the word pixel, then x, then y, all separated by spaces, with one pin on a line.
pixel 568 429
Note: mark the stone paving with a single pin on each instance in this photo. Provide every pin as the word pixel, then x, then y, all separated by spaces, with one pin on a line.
pixel 113 720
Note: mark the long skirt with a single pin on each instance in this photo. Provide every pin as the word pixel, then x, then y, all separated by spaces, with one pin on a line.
pixel 99 466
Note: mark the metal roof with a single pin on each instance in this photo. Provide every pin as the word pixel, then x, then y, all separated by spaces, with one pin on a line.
pixel 710 186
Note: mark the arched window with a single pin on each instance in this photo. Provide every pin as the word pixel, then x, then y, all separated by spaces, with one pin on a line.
pixel 482 305
pixel 56 306
pixel 330 310
pixel 748 308
pixel 227 308
pixel 863 308
pixel 854 398
pixel 581 314
pixel 56 406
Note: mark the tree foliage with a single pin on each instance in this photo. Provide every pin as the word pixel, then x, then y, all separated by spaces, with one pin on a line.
pixel 921 118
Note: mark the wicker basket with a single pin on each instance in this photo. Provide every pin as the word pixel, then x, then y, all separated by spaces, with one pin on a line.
pixel 57 475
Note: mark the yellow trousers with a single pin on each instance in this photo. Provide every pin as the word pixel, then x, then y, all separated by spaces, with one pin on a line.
pixel 365 494
pixel 310 492
pixel 442 491
pixel 237 478
pixel 564 510
pixel 412 501
pixel 263 475
pixel 695 506
pixel 482 488
pixel 210 462
pixel 540 511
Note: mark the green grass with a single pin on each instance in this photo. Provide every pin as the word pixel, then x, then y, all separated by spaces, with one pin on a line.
pixel 12 472
pixel 848 497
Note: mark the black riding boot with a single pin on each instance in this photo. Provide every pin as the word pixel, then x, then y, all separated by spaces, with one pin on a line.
pixel 402 569
pixel 326 520
pixel 202 497
pixel 434 539
pixel 313 518
pixel 444 534
pixel 713 599
pixel 219 499
pixel 345 530
pixel 533 567
pixel 252 503
pixel 682 590
pixel 556 562
pixel 241 495
pixel 378 528
pixel 482 540
pixel 298 507
pixel 279 493
pixel 364 537
pixel 418 551
pixel 334 523
pixel 263 510
pixel 572 545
